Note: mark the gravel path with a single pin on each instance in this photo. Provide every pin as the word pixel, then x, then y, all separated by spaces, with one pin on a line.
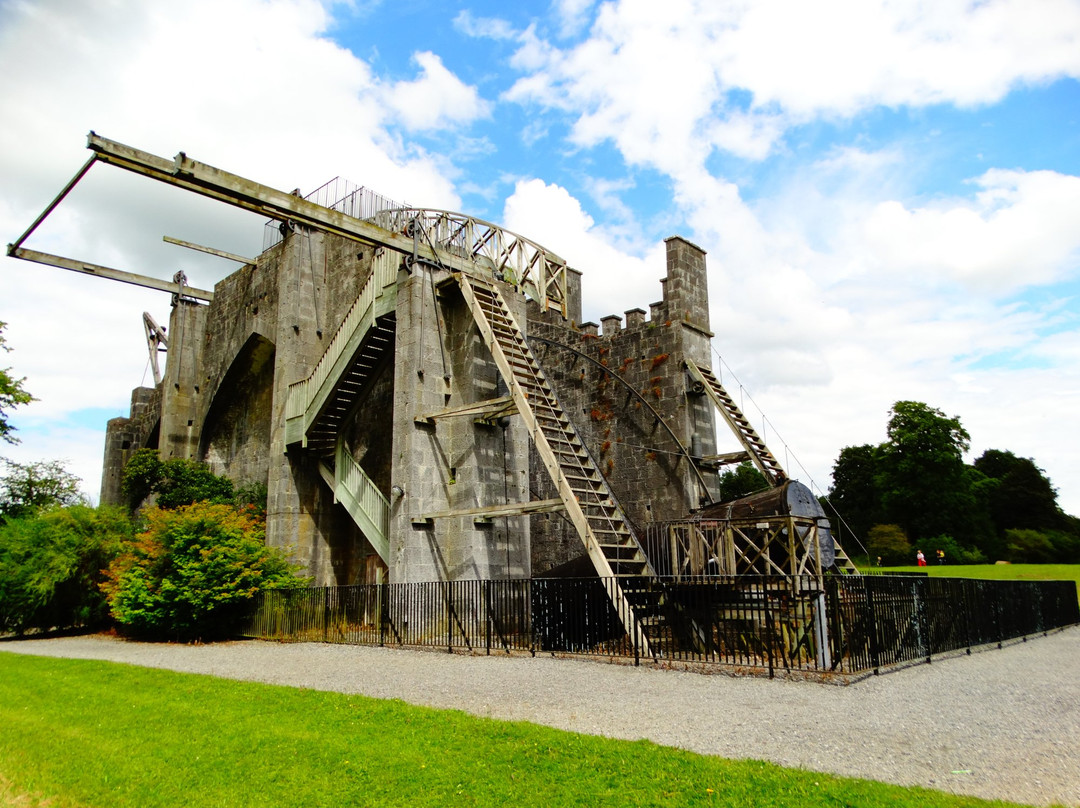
pixel 1001 724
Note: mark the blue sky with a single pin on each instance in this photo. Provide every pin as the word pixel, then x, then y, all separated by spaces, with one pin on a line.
pixel 889 193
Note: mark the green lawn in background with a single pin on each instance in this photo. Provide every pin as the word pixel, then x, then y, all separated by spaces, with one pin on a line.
pixel 87 733
pixel 1000 572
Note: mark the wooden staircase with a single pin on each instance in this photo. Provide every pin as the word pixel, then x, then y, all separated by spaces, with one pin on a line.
pixel 759 453
pixel 590 504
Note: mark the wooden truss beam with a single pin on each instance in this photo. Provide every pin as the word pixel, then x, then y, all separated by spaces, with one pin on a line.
pixel 484 410
pixel 210 250
pixel 485 512
pixel 112 274
pixel 206 180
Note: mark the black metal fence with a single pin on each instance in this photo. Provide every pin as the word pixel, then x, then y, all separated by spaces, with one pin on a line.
pixel 848 624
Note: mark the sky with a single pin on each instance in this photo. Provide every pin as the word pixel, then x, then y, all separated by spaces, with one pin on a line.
pixel 888 190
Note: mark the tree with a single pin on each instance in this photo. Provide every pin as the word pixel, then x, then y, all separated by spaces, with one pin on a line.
pixel 193 571
pixel 176 481
pixel 854 495
pixel 28 487
pixel 12 394
pixel 890 543
pixel 917 480
pixel 51 566
pixel 744 479
pixel 1024 498
pixel 921 475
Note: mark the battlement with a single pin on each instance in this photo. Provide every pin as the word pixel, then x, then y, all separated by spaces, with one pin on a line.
pixel 684 299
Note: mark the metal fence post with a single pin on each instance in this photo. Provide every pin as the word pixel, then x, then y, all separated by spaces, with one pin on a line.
pixel 384 603
pixel 969 612
pixel 769 636
pixel 920 614
pixel 487 615
pixel 997 621
pixel 449 617
pixel 871 616
pixel 326 614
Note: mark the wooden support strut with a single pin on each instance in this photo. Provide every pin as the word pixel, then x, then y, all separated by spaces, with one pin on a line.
pixel 485 411
pixel 209 250
pixel 99 271
pixel 590 504
pixel 486 512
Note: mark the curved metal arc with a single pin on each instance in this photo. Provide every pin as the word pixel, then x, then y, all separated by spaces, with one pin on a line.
pixel 531 267
pixel 639 397
pixel 464 219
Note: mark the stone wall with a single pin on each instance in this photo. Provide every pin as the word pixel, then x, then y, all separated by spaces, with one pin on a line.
pixel 317 280
pixel 125 436
pixel 231 363
pixel 626 390
pixel 454 463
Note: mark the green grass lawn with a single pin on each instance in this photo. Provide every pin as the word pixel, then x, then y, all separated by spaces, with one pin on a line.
pixel 86 733
pixel 1001 572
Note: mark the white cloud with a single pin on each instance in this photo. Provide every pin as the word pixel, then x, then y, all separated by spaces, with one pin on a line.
pixel 659 85
pixel 572 14
pixel 614 280
pixel 488 27
pixel 1022 229
pixel 437 99
pixel 252 86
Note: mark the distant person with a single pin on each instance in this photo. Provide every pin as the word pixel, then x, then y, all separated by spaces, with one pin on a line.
pixel 879 561
pixel 920 559
pixel 940 557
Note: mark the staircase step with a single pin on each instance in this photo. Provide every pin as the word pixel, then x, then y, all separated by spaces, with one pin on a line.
pixel 557 440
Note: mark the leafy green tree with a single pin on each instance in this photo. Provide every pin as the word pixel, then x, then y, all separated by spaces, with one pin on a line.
pixel 176 482
pixel 27 487
pixel 1024 497
pixel 141 475
pixel 192 573
pixel 854 495
pixel 890 543
pixel 922 478
pixel 12 394
pixel 52 563
pixel 1029 547
pixel 917 479
pixel 740 481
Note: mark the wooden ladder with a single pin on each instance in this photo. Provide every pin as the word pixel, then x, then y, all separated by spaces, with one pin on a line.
pixel 590 504
pixel 759 453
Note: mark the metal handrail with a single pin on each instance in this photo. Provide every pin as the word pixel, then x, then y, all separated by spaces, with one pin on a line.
pixel 360 315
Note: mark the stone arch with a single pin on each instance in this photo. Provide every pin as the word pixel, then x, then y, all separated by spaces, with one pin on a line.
pixel 237 426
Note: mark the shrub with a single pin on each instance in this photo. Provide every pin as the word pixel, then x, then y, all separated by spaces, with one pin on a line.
pixel 186 481
pixel 890 542
pixel 176 482
pixel 1028 547
pixel 193 571
pixel 955 553
pixel 52 565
